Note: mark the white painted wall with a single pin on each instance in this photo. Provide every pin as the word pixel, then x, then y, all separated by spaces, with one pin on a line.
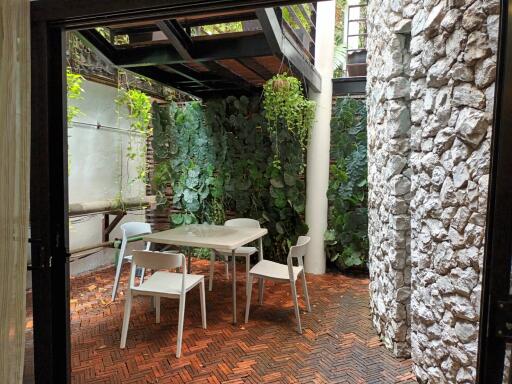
pixel 319 144
pixel 99 169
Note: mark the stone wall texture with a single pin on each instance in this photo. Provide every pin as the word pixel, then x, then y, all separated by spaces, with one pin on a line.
pixel 431 72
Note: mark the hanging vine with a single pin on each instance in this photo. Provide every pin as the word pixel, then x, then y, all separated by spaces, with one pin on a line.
pixel 74 92
pixel 139 114
pixel 289 116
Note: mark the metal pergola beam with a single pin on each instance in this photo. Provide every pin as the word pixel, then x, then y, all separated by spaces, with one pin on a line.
pixel 164 77
pixel 179 39
pixel 206 50
pixel 94 40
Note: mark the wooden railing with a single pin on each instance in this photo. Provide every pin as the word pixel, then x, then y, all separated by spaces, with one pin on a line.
pixel 299 22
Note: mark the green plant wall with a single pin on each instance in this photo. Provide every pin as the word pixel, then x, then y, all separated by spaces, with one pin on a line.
pixel 347 234
pixel 222 160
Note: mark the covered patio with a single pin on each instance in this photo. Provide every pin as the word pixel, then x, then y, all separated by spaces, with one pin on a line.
pixel 139 131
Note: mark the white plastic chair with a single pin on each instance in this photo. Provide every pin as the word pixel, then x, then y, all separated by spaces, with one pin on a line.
pixel 284 273
pixel 130 229
pixel 163 284
pixel 239 252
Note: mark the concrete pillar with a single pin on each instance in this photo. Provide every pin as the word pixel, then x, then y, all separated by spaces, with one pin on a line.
pixel 319 144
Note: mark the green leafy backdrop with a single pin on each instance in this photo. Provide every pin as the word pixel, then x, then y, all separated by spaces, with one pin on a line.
pixel 224 159
pixel 347 236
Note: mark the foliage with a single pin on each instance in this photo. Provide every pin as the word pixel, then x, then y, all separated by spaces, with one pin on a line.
pixel 286 108
pixel 224 157
pixel 289 116
pixel 243 151
pixel 214 29
pixel 340 49
pixel 340 53
pixel 292 22
pixel 139 108
pixel 116 39
pixel 185 154
pixel 347 236
pixel 74 88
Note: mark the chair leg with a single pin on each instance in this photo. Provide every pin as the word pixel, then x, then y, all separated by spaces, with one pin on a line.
pixel 305 290
pixel 181 316
pixel 248 299
pixel 296 306
pixel 118 274
pixel 261 288
pixel 226 266
pixel 157 308
pixel 247 269
pixel 203 304
pixel 126 318
pixel 212 270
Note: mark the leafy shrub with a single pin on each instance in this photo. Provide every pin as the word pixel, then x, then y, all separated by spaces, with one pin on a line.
pixel 347 236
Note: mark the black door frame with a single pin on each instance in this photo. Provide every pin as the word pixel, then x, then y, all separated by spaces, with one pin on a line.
pixel 49 153
pixel 496 306
pixel 49 194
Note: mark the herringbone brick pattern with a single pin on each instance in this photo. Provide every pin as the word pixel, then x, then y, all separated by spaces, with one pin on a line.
pixel 339 344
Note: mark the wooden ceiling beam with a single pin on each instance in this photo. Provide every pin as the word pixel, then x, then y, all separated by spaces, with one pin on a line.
pixel 256 67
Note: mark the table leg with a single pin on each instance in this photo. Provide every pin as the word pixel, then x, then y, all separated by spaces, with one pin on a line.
pixel 233 261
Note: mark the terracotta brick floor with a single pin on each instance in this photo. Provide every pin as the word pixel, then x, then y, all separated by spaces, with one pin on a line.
pixel 339 344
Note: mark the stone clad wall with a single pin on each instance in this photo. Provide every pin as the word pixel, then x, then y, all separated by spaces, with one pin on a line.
pixel 450 81
pixel 389 175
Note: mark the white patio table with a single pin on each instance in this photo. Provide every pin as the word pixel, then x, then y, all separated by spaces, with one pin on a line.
pixel 217 237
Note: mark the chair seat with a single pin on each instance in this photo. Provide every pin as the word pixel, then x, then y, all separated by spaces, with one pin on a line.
pixel 167 283
pixel 130 257
pixel 272 270
pixel 242 251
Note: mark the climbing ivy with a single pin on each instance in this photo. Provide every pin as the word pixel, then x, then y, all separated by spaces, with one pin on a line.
pixel 74 92
pixel 347 236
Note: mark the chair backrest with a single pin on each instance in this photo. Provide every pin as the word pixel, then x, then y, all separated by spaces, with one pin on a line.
pixel 135 228
pixel 158 260
pixel 299 250
pixel 243 222
pixel 132 229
